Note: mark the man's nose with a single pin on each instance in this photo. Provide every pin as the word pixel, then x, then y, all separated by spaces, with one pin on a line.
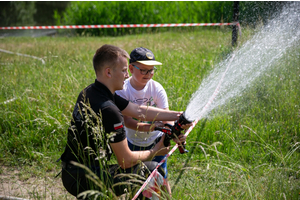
pixel 127 74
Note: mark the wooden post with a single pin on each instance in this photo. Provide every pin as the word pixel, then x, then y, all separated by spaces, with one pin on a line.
pixel 235 18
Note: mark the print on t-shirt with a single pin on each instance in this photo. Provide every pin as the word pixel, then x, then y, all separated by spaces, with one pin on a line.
pixel 144 101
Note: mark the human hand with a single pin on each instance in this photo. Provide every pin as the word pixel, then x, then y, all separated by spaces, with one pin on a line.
pixel 186 126
pixel 180 139
pixel 159 124
pixel 160 149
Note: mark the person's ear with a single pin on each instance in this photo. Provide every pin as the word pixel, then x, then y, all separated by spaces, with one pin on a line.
pixel 130 68
pixel 108 72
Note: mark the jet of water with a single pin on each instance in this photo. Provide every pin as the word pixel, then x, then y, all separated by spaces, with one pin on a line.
pixel 250 61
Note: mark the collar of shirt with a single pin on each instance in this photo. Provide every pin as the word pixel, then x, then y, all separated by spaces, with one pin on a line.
pixel 104 90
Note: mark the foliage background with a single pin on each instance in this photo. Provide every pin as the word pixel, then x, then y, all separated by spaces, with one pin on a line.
pixel 155 12
pixel 31 13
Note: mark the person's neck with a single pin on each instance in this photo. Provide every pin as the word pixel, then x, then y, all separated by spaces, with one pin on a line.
pixel 136 85
pixel 107 85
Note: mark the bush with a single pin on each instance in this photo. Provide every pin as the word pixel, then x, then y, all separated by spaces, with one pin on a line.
pixel 145 12
pixel 156 12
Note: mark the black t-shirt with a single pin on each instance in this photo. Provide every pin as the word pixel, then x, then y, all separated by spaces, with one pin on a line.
pixel 96 108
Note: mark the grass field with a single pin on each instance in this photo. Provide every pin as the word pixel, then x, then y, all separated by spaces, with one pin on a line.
pixel 250 151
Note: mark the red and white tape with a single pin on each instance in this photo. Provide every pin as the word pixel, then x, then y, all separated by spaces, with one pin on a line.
pixel 188 131
pixel 117 26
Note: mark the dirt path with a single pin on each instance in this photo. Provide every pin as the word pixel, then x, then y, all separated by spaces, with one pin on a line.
pixel 46 188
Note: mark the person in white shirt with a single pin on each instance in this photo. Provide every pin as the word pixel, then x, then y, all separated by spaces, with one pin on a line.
pixel 141 89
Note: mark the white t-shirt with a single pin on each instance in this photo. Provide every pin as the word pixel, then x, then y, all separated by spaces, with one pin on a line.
pixel 153 94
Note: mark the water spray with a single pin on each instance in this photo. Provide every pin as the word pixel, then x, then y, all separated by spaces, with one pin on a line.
pixel 256 56
pixel 183 119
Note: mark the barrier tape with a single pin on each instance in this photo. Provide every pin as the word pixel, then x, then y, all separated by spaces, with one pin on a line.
pixel 117 26
pixel 211 99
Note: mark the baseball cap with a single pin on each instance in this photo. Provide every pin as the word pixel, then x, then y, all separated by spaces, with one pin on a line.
pixel 144 56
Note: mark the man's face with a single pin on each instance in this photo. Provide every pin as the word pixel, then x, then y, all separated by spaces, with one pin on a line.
pixel 120 73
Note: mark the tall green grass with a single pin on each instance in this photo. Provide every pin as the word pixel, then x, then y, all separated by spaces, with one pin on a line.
pixel 247 149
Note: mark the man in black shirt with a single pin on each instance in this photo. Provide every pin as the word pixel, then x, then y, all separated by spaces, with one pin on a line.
pixel 96 131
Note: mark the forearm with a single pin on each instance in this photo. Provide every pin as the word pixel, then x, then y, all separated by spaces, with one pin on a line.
pixel 137 156
pixel 168 122
pixel 127 158
pixel 141 126
pixel 149 113
pixel 136 125
pixel 152 113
